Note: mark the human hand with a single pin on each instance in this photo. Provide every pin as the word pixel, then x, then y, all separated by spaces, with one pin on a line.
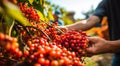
pixel 99 46
pixel 63 28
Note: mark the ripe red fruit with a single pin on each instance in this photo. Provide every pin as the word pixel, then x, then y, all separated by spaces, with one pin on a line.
pixel 41 61
pixel 19 54
pixel 32 57
pixel 41 55
pixel 42 51
pixel 54 63
pixel 12 48
pixel 26 53
pixel 8 46
pixel 2 36
pixel 47 62
pixel 61 62
pixel 58 54
pixel 53 53
pixel 37 64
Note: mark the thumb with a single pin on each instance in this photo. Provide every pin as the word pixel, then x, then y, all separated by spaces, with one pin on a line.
pixel 90 50
pixel 92 39
pixel 63 28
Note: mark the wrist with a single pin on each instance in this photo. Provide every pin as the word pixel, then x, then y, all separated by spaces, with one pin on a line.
pixel 114 46
pixel 68 28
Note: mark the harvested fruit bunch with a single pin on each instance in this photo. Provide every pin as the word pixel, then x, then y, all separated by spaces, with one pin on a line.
pixel 74 41
pixel 43 53
pixel 9 50
pixel 29 12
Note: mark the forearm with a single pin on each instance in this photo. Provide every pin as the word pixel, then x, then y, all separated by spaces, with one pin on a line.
pixel 93 20
pixel 77 26
pixel 114 46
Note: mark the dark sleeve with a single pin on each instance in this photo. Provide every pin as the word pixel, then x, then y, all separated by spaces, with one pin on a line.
pixel 100 11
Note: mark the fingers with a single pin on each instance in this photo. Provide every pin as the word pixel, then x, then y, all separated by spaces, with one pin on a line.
pixel 92 39
pixel 96 45
pixel 90 52
pixel 61 27
pixel 64 28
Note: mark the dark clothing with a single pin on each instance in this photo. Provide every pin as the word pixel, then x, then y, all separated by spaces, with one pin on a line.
pixel 116 60
pixel 111 9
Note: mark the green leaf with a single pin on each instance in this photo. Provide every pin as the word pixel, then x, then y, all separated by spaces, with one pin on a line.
pixel 42 2
pixel 30 1
pixel 38 7
pixel 23 1
pixel 1 9
pixel 9 24
pixel 50 15
pixel 41 15
pixel 14 12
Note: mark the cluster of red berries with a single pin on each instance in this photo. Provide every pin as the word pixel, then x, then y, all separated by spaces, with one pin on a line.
pixel 9 49
pixel 44 53
pixel 74 41
pixel 52 33
pixel 10 46
pixel 65 49
pixel 29 12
